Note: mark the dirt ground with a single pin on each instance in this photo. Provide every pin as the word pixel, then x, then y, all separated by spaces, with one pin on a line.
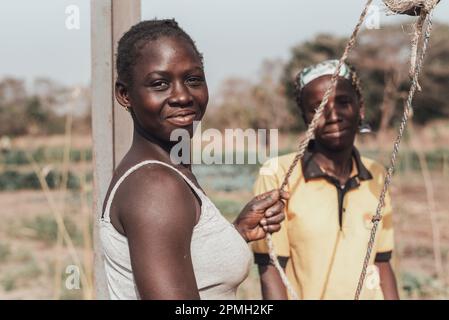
pixel 26 272
pixel 29 254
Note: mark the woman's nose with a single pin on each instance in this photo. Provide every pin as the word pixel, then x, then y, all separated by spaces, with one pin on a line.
pixel 181 95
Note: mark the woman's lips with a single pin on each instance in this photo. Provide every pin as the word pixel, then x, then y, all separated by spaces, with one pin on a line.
pixel 182 120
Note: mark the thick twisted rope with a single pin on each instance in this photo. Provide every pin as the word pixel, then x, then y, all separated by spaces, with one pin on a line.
pixel 401 6
pixel 426 16
pixel 310 133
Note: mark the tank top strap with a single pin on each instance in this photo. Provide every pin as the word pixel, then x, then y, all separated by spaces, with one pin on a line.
pixel 105 215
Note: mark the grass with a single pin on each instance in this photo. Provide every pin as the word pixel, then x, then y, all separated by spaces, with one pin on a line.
pixel 31 264
pixel 229 208
pixel 21 276
pixel 22 255
pixel 13 180
pixel 41 227
pixel 8 282
pixel 43 155
pixel 45 228
pixel 421 286
pixel 5 252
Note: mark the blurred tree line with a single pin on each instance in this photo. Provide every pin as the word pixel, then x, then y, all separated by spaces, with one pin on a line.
pixel 243 104
pixel 381 57
pixel 382 60
pixel 43 109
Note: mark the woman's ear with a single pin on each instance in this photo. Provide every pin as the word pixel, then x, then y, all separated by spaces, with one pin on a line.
pixel 122 94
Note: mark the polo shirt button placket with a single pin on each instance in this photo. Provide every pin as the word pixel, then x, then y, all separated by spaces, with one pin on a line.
pixel 344 226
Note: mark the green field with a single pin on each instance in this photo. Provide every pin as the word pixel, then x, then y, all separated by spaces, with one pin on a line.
pixel 34 255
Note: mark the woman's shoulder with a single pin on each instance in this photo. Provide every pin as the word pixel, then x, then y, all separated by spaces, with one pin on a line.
pixel 135 172
pixel 149 188
pixel 151 179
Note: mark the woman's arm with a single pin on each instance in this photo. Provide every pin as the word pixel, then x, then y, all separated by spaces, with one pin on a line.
pixel 271 283
pixel 388 281
pixel 158 222
pixel 262 215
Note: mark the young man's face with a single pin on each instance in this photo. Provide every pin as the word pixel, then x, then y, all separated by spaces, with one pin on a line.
pixel 338 126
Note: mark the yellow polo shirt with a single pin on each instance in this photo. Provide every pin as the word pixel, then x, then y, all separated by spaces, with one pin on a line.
pixel 324 237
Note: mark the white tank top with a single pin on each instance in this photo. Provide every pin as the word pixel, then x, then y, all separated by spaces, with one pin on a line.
pixel 221 258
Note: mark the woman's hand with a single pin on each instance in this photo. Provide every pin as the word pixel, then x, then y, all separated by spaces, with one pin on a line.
pixel 262 214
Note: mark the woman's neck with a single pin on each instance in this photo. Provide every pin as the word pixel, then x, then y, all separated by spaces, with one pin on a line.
pixel 145 145
pixel 335 163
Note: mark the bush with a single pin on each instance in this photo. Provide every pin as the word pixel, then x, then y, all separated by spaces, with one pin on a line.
pixel 43 155
pixel 45 228
pixel 14 180
pixel 230 209
pixel 5 251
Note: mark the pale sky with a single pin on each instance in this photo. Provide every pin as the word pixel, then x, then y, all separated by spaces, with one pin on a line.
pixel 234 35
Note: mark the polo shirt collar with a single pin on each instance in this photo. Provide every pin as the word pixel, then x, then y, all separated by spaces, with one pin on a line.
pixel 311 170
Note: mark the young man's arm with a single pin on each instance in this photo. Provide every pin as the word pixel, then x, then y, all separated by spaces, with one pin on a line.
pixel 271 283
pixel 385 248
pixel 270 280
pixel 388 281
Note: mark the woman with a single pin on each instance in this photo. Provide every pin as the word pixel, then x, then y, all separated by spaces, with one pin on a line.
pixel 333 196
pixel 162 236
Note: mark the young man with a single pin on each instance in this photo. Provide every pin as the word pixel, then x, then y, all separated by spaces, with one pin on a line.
pixel 333 196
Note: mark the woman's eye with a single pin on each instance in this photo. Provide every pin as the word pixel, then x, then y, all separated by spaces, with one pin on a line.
pixel 159 85
pixel 195 81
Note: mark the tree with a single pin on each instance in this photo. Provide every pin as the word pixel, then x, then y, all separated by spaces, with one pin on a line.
pixel 233 107
pixel 322 47
pixel 382 59
pixel 24 113
pixel 243 104
pixel 12 107
pixel 270 99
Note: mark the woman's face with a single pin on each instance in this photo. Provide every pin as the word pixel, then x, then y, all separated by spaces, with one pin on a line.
pixel 169 89
pixel 337 128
